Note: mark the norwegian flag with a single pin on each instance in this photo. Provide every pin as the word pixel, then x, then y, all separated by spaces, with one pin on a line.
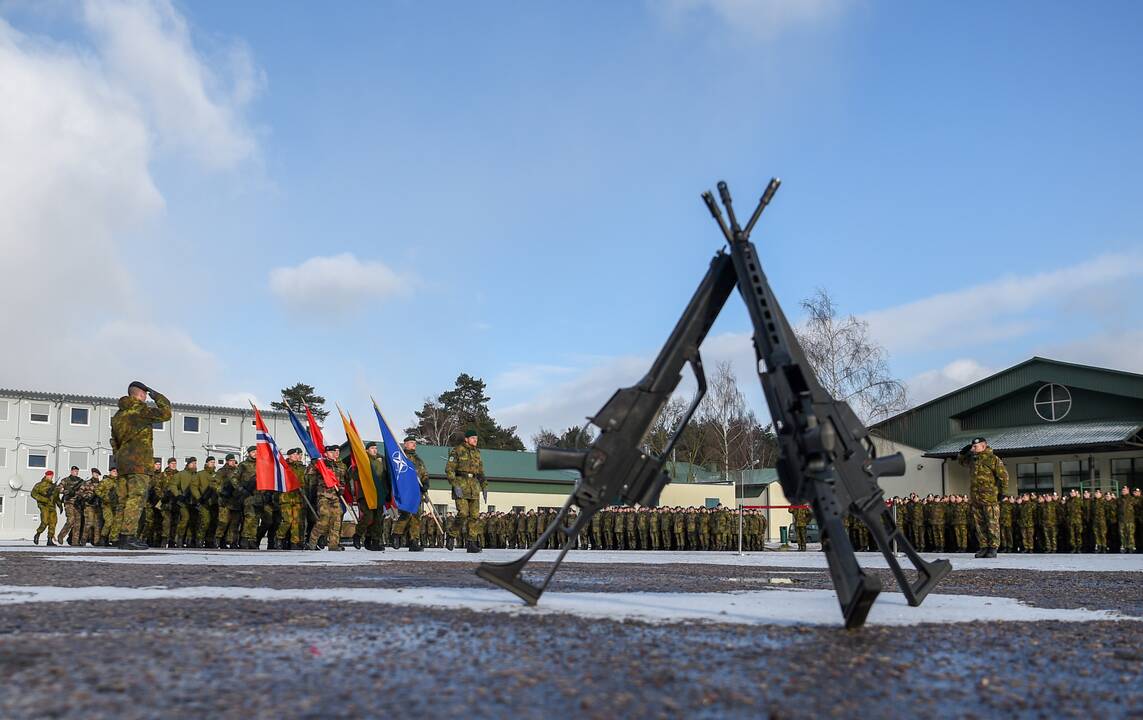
pixel 272 470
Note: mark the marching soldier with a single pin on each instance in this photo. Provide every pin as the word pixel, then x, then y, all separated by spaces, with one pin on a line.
pixel 47 496
pixel 107 494
pixel 407 523
pixel 68 488
pixel 252 500
pixel 328 523
pixel 289 533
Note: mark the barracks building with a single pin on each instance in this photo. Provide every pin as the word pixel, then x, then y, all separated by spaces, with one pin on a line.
pixel 42 431
pixel 1056 425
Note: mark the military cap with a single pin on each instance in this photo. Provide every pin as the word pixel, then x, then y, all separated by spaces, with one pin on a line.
pixel 191 459
pixel 410 438
pixel 370 444
pixel 211 457
pixel 293 451
pixel 332 447
pixel 976 440
pixel 75 467
pixel 96 471
pixel 252 448
pixel 471 432
pixel 138 384
pixel 231 456
pixel 50 473
pixel 172 460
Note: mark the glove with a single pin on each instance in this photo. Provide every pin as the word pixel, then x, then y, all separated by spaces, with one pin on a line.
pixel 457 492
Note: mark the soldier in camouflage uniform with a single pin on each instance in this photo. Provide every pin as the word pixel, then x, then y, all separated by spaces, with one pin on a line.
pixel 1027 510
pixel 988 476
pixel 802 516
pixel 132 442
pixel 1006 524
pixel 703 523
pixel 253 500
pixel 370 521
pixel 68 487
pixel 184 505
pixel 205 492
pixel 328 524
pixel 410 524
pixel 1073 514
pixel 1138 495
pixel 960 522
pixel 169 506
pixel 465 473
pixel 108 500
pixel 1099 522
pixel 47 497
pixel 938 514
pixel 1048 524
pixel 292 505
pixel 88 503
pixel 631 530
pixel 229 504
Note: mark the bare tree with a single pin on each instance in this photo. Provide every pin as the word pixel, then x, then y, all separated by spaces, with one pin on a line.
pixel 435 424
pixel 664 426
pixel 545 438
pixel 723 415
pixel 849 363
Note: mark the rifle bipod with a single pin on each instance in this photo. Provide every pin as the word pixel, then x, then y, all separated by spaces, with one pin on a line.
pixel 508 575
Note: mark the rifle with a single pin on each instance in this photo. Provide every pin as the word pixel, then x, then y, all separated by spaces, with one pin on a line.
pixel 826 457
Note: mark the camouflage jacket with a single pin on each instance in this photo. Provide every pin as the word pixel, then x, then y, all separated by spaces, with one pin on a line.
pixel 132 439
pixel 68 488
pixel 988 475
pixel 1126 509
pixel 960 514
pixel 422 471
pixel 1028 512
pixel 247 476
pixel 45 492
pixel 802 516
pixel 105 491
pixel 203 481
pixel 339 471
pixel 465 469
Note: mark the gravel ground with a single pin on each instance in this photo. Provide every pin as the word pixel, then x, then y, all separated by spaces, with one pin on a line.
pixel 242 659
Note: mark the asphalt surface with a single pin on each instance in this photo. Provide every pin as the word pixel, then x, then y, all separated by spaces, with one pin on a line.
pixel 249 658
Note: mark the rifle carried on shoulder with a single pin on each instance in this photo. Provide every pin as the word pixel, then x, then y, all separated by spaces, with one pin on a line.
pixel 826 457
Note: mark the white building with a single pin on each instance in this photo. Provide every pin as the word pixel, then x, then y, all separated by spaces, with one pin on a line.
pixel 42 431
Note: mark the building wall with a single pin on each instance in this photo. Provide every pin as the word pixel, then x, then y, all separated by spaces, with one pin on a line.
pixel 674 494
pixel 63 443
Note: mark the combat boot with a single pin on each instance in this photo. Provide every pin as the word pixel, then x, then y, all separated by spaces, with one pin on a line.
pixel 50 543
pixel 415 546
pixel 398 541
pixel 357 543
pixel 285 545
pixel 36 539
pixel 472 546
pixel 991 553
pixel 210 544
pixel 310 546
pixel 127 542
pixel 983 552
pixel 450 543
pixel 272 543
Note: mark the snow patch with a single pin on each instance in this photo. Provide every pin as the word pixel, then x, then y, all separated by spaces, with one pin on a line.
pixel 758 607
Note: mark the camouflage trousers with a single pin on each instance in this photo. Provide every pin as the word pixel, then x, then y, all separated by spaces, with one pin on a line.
pixel 227 528
pixel 1127 536
pixel 938 538
pixel 1075 535
pixel 1049 539
pixel 48 520
pixel 72 525
pixel 1006 537
pixel 328 523
pixel 1028 537
pixel 466 512
pixel 800 530
pixel 250 518
pixel 408 525
pixel 110 529
pixel 986 518
pixel 960 532
pixel 183 523
pixel 135 495
pixel 1099 531
pixel 370 523
pixel 89 533
pixel 205 521
pixel 291 526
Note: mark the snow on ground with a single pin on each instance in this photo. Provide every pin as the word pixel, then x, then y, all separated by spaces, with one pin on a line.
pixel 228 558
pixel 764 607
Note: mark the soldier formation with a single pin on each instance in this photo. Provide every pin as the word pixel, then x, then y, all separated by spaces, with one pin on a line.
pixel 1074 522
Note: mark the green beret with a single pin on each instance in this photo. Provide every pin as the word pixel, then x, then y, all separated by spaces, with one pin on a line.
pixel 231 456
pixel 410 438
pixel 370 444
pixel 171 460
pixel 252 448
pixel 471 432
pixel 191 459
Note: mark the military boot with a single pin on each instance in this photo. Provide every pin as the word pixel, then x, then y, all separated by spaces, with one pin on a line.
pixel 210 544
pixel 983 552
pixel 310 546
pixel 398 541
pixel 50 543
pixel 450 543
pixel 272 543
pixel 991 553
pixel 472 546
pixel 127 542
pixel 415 546
pixel 357 542
pixel 36 539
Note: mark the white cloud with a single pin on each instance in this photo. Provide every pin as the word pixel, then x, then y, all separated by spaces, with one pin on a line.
pixel 79 123
pixel 1115 350
pixel 760 18
pixel 340 283
pixel 146 46
pixel 933 383
pixel 1003 309
pixel 239 399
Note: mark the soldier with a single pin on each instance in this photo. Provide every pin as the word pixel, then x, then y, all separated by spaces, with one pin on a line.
pixel 132 441
pixel 702 525
pixel 1099 522
pixel 205 494
pixel 47 497
pixel 229 504
pixel 246 479
pixel 1138 495
pixel 169 509
pixel 666 526
pixel 959 511
pixel 938 515
pixel 88 504
pixel 68 487
pixel 328 524
pixel 631 530
pixel 1027 510
pixel 988 476
pixel 106 492
pixel 465 473
pixel 917 506
pixel 1073 514
pixel 370 520
pixel 410 523
pixel 802 515
pixel 184 505
pixel 1047 518
pixel 292 505
pixel 1006 542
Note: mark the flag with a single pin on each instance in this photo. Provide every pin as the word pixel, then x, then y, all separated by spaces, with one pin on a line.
pixel 361 459
pixel 315 451
pixel 315 432
pixel 272 472
pixel 402 473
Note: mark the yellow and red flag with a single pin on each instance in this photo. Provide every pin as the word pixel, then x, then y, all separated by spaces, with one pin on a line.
pixel 361 460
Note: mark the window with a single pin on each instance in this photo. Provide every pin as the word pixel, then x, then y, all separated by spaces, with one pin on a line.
pixel 31 507
pixel 190 424
pixel 711 502
pixel 223 421
pixel 1034 478
pixel 1052 402
pixel 3 457
pixel 78 458
pixel 3 409
pixel 158 426
pixel 1126 471
pixel 38 413
pixel 1 504
pixel 37 460
pixel 80 416
pixel 517 508
pixel 1076 474
pixel 491 508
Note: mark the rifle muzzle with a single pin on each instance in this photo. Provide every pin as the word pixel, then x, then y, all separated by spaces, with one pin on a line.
pixel 550 458
pixel 889 465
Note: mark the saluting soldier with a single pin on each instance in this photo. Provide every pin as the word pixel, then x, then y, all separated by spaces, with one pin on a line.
pixel 988 476
pixel 132 440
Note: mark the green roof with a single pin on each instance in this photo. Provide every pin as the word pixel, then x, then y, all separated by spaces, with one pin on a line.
pixel 1003 400
pixel 1093 435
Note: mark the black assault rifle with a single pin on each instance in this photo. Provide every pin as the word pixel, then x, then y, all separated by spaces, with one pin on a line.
pixel 826 458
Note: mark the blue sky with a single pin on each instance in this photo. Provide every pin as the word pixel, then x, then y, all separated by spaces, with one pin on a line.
pixel 375 197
